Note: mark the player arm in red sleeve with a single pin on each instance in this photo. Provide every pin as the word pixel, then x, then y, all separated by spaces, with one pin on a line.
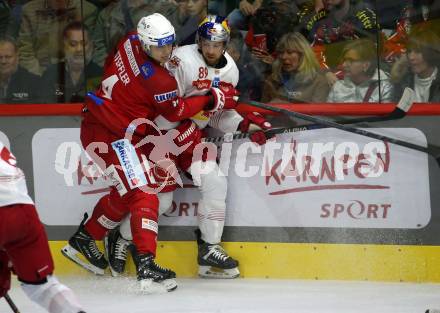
pixel 179 108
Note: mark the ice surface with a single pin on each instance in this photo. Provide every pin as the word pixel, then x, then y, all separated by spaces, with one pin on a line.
pixel 115 295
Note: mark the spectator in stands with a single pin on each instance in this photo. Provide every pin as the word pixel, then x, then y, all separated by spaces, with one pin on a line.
pixel 363 81
pixel 42 24
pixel 239 17
pixel 120 17
pixel 273 19
pixel 68 81
pixel 426 13
pixel 5 17
pixel 10 15
pixel 17 85
pixel 417 14
pixel 197 11
pixel 387 11
pixel 218 7
pixel 270 22
pixel 296 75
pixel 332 27
pixel 418 69
pixel 251 81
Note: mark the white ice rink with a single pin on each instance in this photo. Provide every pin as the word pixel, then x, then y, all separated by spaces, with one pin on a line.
pixel 117 295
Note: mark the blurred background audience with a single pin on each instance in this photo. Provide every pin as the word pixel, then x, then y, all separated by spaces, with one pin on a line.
pixel 296 75
pixel 418 68
pixel 327 27
pixel 363 80
pixel 17 85
pixel 68 80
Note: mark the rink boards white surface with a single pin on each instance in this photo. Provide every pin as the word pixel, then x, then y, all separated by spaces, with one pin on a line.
pixel 116 295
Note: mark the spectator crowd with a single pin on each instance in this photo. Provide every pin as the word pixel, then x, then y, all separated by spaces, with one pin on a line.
pixel 295 51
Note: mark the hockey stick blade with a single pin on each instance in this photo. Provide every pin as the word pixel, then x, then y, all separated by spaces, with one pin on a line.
pixel 431 149
pixel 405 103
pixel 11 304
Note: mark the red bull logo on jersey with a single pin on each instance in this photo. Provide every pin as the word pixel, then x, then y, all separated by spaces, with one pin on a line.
pixel 201 84
pixel 165 96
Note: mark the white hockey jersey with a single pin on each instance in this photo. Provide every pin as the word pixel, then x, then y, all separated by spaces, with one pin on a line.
pixel 12 181
pixel 194 78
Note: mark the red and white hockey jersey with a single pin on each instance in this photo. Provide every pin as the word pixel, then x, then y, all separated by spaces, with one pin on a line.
pixel 135 86
pixel 12 181
pixel 194 78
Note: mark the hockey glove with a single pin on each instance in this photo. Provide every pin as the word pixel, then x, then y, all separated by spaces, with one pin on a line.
pixel 5 274
pixel 223 98
pixel 254 118
pixel 189 132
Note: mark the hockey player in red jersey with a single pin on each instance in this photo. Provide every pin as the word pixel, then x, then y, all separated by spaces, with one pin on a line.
pixel 200 69
pixel 23 244
pixel 135 85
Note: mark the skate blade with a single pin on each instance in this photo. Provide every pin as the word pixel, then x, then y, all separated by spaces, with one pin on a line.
pixel 72 254
pixel 148 286
pixel 112 270
pixel 215 272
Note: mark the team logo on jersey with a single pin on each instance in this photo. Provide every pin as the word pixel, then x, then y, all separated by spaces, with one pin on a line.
pixel 147 70
pixel 201 84
pixel 130 163
pixel 165 96
pixel 216 82
pixel 174 62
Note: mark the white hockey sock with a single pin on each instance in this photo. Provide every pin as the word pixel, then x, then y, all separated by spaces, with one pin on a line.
pixel 53 296
pixel 212 185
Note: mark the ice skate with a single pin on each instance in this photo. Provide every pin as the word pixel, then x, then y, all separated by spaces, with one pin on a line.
pixel 82 250
pixel 116 251
pixel 153 278
pixel 214 262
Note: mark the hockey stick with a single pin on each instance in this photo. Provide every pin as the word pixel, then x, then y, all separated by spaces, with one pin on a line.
pixel 431 149
pixel 11 303
pixel 228 137
pixel 400 111
pixel 405 103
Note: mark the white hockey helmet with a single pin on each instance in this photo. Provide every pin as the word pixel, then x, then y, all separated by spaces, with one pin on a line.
pixel 155 30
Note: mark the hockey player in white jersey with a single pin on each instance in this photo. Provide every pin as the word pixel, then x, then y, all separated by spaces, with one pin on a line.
pixel 200 69
pixel 24 249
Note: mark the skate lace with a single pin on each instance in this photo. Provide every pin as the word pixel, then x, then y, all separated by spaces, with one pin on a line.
pixel 93 248
pixel 217 252
pixel 159 268
pixel 121 249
